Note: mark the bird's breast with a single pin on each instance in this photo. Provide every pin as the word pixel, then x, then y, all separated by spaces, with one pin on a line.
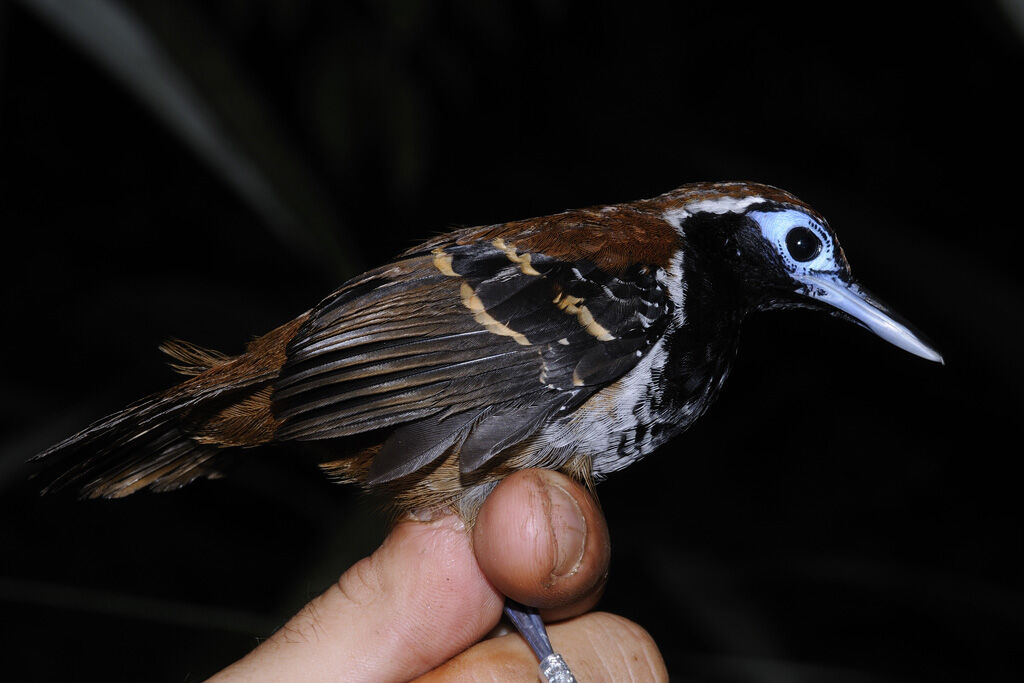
pixel 639 412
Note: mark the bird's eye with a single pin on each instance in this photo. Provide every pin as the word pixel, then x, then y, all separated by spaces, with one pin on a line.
pixel 803 244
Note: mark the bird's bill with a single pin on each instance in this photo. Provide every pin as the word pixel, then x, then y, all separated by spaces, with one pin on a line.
pixel 866 310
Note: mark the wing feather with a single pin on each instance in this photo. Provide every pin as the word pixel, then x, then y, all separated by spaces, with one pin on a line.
pixel 469 347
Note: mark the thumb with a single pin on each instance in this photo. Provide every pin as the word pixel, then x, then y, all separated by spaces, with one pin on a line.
pixel 419 600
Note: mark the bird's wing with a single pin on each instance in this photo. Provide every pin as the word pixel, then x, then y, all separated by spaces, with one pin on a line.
pixel 467 346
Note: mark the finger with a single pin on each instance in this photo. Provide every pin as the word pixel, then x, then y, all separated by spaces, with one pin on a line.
pixel 416 602
pixel 597 647
pixel 541 540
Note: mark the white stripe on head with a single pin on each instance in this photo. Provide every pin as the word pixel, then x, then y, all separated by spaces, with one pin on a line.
pixel 717 205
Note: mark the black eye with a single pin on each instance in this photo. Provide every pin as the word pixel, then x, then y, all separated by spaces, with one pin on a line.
pixel 803 244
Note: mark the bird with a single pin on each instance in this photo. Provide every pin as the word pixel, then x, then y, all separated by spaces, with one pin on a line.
pixel 579 342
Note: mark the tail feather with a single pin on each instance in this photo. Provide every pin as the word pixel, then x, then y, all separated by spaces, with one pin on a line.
pixel 171 438
pixel 146 444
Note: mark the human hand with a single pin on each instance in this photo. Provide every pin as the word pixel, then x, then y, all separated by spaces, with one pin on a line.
pixel 422 603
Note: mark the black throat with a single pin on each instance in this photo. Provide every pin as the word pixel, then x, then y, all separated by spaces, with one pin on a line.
pixel 701 350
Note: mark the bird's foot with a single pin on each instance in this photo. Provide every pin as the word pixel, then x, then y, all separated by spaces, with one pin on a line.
pixel 553 668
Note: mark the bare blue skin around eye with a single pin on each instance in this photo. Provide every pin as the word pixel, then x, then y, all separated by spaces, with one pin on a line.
pixel 775 225
pixel 820 279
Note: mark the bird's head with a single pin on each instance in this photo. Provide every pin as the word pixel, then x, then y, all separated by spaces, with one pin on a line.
pixel 777 252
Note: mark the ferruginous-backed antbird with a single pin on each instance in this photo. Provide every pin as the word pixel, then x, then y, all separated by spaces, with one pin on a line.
pixel 578 342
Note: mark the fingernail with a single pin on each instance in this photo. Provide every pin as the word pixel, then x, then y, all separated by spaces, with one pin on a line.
pixel 569 529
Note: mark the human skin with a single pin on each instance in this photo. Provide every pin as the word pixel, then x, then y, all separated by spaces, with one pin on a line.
pixel 422 606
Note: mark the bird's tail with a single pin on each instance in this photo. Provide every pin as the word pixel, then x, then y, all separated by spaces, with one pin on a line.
pixel 171 438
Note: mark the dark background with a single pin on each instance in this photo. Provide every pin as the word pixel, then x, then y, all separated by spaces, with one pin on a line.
pixel 845 512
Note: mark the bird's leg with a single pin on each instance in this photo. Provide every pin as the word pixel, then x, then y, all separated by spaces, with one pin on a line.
pixel 527 621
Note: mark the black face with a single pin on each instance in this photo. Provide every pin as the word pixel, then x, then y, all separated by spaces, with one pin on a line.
pixel 730 257
pixel 774 256
pixel 761 257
